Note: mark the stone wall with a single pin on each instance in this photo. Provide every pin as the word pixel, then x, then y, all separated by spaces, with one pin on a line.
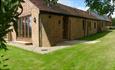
pixel 52 29
pixel 76 28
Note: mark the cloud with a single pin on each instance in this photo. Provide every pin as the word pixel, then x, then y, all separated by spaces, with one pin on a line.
pixel 74 3
pixel 83 8
pixel 66 2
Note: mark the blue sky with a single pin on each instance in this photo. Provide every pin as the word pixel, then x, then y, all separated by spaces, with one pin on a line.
pixel 80 4
pixel 74 3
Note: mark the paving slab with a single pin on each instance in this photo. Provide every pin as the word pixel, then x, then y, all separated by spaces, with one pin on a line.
pixel 44 50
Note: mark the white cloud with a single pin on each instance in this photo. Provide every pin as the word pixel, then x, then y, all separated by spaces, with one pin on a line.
pixel 72 4
pixel 65 2
pixel 83 8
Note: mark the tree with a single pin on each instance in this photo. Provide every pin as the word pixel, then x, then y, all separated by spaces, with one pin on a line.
pixel 101 6
pixel 8 16
pixel 51 2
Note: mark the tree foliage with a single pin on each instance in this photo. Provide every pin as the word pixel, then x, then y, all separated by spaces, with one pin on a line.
pixel 101 6
pixel 8 16
pixel 51 2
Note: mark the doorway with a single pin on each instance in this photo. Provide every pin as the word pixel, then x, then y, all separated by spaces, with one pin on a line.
pixel 84 27
pixel 65 27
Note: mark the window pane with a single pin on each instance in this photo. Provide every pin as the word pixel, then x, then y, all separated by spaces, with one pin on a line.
pixel 24 27
pixel 30 26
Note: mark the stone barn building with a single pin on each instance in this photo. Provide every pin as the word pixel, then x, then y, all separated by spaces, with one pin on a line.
pixel 44 25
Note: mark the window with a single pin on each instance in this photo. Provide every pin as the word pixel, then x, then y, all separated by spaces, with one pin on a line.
pixel 24 27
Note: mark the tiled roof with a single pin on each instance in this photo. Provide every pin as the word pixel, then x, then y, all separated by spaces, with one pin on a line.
pixel 66 10
pixel 104 17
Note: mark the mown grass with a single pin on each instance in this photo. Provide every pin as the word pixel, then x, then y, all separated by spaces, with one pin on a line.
pixel 98 56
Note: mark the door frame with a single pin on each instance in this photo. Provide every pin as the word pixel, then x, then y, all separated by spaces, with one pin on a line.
pixel 65 28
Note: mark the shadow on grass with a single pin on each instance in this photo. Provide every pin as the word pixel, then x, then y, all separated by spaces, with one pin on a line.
pixel 3 62
pixel 96 36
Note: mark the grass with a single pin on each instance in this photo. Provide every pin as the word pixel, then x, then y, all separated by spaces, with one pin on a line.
pixel 99 56
pixel 96 36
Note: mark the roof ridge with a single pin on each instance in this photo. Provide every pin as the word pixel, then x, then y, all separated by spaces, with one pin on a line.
pixel 63 9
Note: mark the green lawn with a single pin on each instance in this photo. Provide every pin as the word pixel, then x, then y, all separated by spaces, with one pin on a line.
pixel 99 56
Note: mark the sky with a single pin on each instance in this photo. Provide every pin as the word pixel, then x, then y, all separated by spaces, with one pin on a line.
pixel 80 4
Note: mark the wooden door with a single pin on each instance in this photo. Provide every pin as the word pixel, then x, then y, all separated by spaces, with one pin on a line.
pixel 65 27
